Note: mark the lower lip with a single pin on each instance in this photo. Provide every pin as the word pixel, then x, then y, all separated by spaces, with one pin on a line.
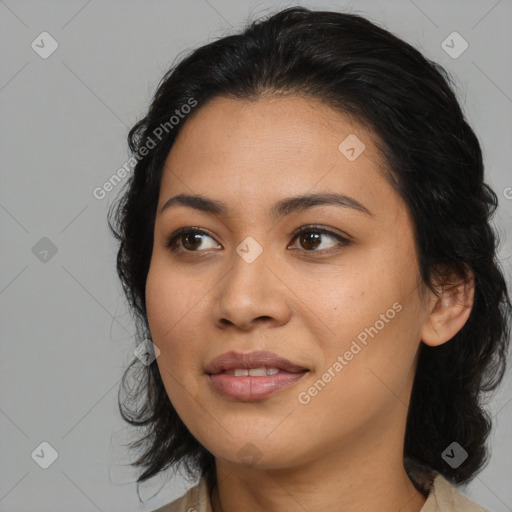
pixel 253 388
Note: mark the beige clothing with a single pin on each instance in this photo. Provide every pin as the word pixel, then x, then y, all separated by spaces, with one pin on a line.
pixel 443 497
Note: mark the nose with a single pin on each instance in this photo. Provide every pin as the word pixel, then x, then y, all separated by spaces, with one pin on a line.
pixel 252 293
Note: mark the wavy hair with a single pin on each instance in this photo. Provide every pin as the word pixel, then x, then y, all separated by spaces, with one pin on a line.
pixel 433 160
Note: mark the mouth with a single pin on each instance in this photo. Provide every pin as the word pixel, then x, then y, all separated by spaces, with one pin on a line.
pixel 252 376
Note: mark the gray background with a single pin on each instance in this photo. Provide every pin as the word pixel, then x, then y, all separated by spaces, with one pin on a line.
pixel 66 333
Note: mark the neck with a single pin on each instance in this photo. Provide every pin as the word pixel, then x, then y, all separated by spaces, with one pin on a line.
pixel 275 496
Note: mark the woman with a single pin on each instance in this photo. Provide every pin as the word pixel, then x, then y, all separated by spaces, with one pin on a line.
pixel 306 242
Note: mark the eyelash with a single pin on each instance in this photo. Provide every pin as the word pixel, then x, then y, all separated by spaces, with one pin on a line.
pixel 170 244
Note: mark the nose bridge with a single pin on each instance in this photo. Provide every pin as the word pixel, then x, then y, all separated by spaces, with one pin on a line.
pixel 249 290
pixel 249 269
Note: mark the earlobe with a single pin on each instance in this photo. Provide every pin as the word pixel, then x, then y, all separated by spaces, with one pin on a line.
pixel 449 310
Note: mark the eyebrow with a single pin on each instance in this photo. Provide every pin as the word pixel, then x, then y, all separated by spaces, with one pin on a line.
pixel 279 210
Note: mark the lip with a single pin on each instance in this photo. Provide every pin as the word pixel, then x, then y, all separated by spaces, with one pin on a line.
pixel 250 388
pixel 232 360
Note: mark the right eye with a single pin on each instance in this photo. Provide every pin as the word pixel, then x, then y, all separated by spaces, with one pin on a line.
pixel 186 240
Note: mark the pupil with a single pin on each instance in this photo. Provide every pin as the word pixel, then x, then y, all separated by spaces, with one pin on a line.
pixel 313 237
pixel 192 245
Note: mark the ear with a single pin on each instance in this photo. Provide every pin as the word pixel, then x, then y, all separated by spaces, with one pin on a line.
pixel 449 308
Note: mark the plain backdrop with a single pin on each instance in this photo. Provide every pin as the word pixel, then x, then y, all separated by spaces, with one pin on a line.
pixel 66 334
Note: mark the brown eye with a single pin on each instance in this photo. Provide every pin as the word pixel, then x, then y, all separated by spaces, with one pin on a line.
pixel 191 241
pixel 311 237
pixel 310 240
pixel 187 240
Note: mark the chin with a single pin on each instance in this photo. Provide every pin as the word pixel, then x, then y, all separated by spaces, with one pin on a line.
pixel 256 451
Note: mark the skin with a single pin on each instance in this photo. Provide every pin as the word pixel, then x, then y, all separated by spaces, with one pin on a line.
pixel 306 301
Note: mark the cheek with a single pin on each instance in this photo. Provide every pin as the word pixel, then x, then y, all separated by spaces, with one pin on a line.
pixel 366 370
pixel 175 306
pixel 374 317
pixel 158 304
pixel 170 312
pixel 352 299
pixel 169 301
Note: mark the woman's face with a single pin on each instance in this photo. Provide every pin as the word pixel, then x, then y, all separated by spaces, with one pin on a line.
pixel 348 311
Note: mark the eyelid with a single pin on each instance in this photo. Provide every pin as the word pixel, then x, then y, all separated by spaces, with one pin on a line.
pixel 324 230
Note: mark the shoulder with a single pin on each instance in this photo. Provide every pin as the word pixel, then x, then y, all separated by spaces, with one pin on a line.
pixel 444 497
pixel 196 499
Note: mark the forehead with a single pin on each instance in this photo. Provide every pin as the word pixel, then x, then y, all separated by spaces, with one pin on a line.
pixel 274 147
pixel 282 124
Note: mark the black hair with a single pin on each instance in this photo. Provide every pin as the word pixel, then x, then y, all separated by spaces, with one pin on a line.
pixel 434 161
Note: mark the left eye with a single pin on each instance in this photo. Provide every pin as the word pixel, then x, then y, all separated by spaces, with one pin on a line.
pixel 311 238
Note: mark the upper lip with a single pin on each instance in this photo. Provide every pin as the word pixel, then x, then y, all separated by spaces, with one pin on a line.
pixel 260 359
